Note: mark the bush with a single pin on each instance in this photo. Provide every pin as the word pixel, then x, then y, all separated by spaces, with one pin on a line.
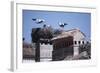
pixel 85 48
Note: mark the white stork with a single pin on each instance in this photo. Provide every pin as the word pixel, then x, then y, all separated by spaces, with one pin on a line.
pixel 38 21
pixel 62 24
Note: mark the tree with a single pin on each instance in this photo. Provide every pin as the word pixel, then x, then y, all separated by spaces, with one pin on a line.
pixel 57 32
pixel 86 47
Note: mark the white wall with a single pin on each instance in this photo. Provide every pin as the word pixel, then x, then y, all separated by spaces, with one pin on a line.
pixel 46 52
pixel 5 36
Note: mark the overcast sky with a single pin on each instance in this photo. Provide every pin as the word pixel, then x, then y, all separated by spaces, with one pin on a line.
pixel 73 19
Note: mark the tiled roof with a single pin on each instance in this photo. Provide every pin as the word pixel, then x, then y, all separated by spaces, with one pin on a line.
pixel 68 33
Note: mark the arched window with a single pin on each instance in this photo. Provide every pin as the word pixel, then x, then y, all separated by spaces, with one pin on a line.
pixel 75 42
pixel 79 42
pixel 87 42
pixel 82 42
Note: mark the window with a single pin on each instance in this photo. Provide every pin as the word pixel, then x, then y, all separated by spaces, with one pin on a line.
pixel 82 42
pixel 79 42
pixel 75 42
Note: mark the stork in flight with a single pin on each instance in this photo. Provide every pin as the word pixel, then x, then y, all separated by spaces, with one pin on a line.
pixel 38 21
pixel 62 24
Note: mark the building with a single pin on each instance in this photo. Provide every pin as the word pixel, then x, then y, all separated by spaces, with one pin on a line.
pixel 46 52
pixel 58 47
pixel 67 43
pixel 28 51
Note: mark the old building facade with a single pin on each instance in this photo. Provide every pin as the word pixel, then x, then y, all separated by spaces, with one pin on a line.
pixel 59 47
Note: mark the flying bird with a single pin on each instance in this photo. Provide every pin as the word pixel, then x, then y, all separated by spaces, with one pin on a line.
pixel 62 24
pixel 38 21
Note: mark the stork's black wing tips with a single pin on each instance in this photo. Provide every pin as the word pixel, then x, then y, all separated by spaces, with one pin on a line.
pixel 65 24
pixel 34 19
